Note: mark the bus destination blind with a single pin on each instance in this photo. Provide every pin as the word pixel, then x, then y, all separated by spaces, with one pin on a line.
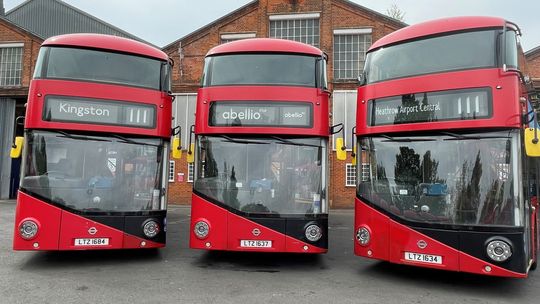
pixel 268 114
pixel 95 111
pixel 430 107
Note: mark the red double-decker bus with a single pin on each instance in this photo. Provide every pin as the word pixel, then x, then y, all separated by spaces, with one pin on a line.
pixel 97 132
pixel 261 137
pixel 446 181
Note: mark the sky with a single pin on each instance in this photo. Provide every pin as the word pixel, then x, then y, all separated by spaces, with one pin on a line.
pixel 161 22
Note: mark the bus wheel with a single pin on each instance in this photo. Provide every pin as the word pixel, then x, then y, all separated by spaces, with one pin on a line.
pixel 534 264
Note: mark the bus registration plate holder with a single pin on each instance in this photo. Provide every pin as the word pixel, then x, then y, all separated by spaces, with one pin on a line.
pixel 255 244
pixel 423 258
pixel 92 242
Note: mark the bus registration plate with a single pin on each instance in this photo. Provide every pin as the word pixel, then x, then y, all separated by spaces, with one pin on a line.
pixel 255 244
pixel 424 258
pixel 92 242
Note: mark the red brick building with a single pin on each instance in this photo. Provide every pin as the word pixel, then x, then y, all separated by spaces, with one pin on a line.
pixel 533 70
pixel 342 29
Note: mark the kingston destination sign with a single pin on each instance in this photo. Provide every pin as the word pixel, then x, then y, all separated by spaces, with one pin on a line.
pixel 429 107
pixel 272 114
pixel 95 111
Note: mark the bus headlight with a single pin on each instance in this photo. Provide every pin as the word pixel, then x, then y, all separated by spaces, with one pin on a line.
pixel 313 233
pixel 201 229
pixel 151 228
pixel 28 229
pixel 363 236
pixel 499 250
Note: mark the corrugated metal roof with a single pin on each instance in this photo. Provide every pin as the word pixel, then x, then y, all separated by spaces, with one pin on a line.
pixel 49 18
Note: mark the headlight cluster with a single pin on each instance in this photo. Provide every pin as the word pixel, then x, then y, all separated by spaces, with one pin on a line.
pixel 499 250
pixel 313 233
pixel 151 228
pixel 28 229
pixel 363 236
pixel 201 229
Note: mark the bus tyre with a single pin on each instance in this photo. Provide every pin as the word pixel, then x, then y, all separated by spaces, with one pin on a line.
pixel 534 264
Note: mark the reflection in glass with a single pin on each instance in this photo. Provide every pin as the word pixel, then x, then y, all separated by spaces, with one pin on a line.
pixel 262 69
pixel 263 175
pixel 449 179
pixel 100 66
pixel 95 173
pixel 453 52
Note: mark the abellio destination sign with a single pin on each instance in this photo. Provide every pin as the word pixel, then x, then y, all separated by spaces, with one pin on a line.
pixel 272 114
pixel 97 111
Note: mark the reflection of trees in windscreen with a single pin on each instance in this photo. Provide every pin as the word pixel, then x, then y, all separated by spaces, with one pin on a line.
pixel 468 191
pixel 407 168
pixel 411 110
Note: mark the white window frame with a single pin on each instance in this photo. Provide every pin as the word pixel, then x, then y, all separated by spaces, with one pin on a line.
pixel 14 45
pixel 228 37
pixel 190 172
pixel 366 171
pixel 184 136
pixel 293 18
pixel 346 125
pixel 350 32
pixel 172 166
pixel 350 168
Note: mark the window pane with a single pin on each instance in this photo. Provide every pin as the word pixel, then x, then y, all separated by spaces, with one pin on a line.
pixel 301 30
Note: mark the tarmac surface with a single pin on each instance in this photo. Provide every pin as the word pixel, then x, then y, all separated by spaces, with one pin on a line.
pixel 177 274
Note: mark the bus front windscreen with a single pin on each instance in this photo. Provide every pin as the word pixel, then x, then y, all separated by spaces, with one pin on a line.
pixel 452 179
pixel 100 66
pixel 95 173
pixel 262 69
pixel 263 175
pixel 459 51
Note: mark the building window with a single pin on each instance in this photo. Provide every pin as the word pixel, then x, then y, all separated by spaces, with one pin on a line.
pixel 10 64
pixel 350 46
pixel 184 115
pixel 171 171
pixel 365 172
pixel 237 36
pixel 344 111
pixel 298 27
pixel 190 172
pixel 350 175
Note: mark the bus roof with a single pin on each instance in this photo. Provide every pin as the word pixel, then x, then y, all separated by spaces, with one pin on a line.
pixel 265 45
pixel 438 26
pixel 106 42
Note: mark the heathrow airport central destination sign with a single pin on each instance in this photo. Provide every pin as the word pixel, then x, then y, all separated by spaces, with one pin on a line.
pixel 97 111
pixel 430 107
pixel 268 114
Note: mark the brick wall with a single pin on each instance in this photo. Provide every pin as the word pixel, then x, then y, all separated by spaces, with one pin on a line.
pixel 11 34
pixel 254 17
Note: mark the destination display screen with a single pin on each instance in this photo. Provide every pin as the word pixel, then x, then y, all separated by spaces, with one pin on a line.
pixel 270 114
pixel 98 111
pixel 430 107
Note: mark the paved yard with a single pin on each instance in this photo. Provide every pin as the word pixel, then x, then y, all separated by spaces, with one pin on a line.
pixel 177 274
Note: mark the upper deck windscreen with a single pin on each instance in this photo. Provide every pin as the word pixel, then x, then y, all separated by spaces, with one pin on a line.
pixel 458 51
pixel 261 69
pixel 100 66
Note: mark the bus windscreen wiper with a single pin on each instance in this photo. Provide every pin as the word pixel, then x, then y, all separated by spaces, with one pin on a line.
pixel 79 137
pixel 131 141
pixel 290 142
pixel 405 139
pixel 468 137
pixel 242 141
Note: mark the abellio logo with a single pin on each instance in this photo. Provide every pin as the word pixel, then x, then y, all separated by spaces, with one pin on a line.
pixel 246 114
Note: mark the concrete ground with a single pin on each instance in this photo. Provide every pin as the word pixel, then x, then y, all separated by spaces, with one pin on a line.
pixel 177 274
